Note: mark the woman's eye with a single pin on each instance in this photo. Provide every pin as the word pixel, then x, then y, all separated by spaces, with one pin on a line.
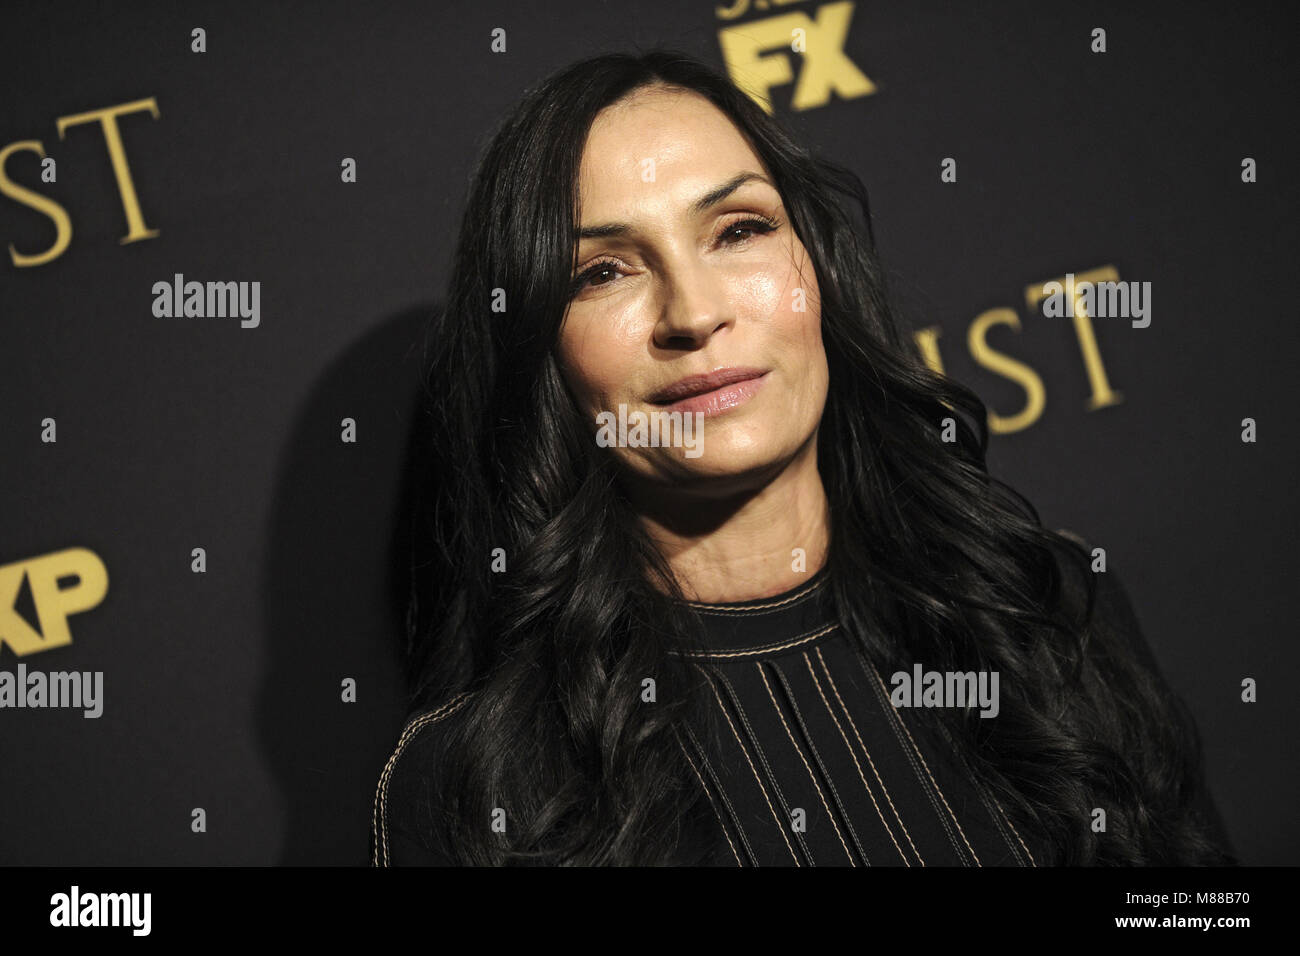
pixel 588 277
pixel 604 273
pixel 743 226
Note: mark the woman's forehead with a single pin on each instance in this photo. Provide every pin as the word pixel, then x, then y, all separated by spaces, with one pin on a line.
pixel 665 126
pixel 668 151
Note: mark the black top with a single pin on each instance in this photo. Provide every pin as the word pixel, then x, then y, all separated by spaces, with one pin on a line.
pixel 812 738
pixel 813 765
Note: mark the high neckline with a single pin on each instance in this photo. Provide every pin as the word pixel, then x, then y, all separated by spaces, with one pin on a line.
pixel 747 629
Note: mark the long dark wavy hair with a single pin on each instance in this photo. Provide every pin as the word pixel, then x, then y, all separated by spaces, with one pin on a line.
pixel 540 605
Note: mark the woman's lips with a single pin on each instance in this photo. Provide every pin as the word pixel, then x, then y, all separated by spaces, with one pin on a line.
pixel 719 399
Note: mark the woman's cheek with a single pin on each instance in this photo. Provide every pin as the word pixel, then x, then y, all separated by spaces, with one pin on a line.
pixel 761 293
pixel 604 379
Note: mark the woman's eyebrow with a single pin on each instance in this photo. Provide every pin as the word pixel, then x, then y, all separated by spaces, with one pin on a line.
pixel 711 198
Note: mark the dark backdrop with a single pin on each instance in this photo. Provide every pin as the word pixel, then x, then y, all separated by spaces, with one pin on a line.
pixel 222 689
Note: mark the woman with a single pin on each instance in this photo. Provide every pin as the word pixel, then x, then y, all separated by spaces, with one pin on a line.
pixel 701 650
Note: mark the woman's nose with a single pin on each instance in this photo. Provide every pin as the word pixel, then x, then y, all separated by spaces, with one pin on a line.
pixel 694 306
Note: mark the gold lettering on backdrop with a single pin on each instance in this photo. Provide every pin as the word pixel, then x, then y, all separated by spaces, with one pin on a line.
pixel 741 7
pixel 749 48
pixel 1102 394
pixel 1009 368
pixel 107 119
pixel 927 341
pixel 53 603
pixel 43 204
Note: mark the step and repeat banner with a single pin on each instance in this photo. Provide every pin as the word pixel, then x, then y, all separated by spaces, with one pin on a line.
pixel 224 228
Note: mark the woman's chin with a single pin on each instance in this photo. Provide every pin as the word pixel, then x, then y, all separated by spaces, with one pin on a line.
pixel 719 468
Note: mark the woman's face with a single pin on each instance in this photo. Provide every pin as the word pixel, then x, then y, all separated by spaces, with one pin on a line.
pixel 689 269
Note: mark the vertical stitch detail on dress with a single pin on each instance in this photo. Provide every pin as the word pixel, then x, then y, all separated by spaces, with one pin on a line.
pixel 767 769
pixel 1032 861
pixel 817 759
pixel 705 787
pixel 799 751
pixel 1002 823
pixel 931 776
pixel 862 743
pixel 722 795
pixel 927 786
pixel 861 776
pixel 775 816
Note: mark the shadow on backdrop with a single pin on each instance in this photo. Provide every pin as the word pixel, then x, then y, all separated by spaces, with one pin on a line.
pixel 334 592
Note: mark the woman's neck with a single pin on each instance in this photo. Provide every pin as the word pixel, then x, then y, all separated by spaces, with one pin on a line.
pixel 748 544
